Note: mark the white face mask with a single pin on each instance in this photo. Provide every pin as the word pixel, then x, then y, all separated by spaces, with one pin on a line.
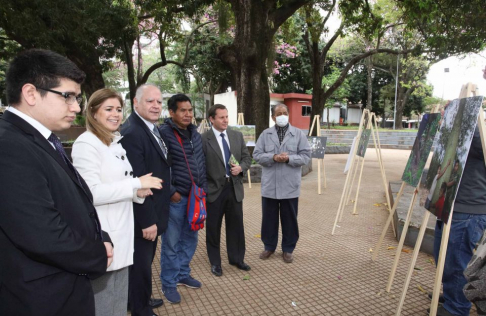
pixel 282 120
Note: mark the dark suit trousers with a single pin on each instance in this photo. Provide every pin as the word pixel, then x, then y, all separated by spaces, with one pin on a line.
pixel 287 210
pixel 227 206
pixel 140 277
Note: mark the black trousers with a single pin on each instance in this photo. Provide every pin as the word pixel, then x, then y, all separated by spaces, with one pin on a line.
pixel 227 206
pixel 286 209
pixel 140 276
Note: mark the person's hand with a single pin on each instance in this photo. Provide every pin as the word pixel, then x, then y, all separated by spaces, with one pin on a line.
pixel 235 169
pixel 176 197
pixel 283 157
pixel 109 253
pixel 150 233
pixel 143 193
pixel 149 182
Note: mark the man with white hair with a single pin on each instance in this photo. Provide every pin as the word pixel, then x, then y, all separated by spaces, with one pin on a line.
pixel 147 153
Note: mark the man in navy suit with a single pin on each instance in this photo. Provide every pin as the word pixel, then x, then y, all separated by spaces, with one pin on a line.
pixel 147 153
pixel 51 243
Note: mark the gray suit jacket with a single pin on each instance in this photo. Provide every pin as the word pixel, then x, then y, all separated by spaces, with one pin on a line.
pixel 215 167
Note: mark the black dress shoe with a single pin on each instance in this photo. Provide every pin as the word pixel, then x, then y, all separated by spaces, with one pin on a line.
pixel 241 265
pixel 155 302
pixel 216 270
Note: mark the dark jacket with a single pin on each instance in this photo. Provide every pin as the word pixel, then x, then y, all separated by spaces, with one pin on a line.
pixel 145 156
pixel 216 169
pixel 49 240
pixel 181 180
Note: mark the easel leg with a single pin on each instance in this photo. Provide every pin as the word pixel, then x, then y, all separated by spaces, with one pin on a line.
pixel 249 178
pixel 446 229
pixel 359 184
pixel 388 222
pixel 416 251
pixel 341 202
pixel 354 171
pixel 324 173
pixel 376 141
pixel 318 176
pixel 402 240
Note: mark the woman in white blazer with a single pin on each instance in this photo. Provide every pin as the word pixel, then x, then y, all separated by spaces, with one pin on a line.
pixel 102 162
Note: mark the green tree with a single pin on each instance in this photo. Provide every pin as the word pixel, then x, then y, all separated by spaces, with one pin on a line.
pixel 256 23
pixel 85 31
pixel 339 94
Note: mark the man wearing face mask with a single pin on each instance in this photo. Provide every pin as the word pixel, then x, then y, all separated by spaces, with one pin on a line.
pixel 281 150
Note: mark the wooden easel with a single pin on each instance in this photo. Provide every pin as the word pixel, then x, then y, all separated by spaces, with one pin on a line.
pixel 319 161
pixel 241 121
pixel 466 90
pixel 355 163
pixel 405 226
pixel 203 127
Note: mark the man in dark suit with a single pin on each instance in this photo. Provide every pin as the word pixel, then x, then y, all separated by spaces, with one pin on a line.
pixel 225 189
pixel 147 153
pixel 51 243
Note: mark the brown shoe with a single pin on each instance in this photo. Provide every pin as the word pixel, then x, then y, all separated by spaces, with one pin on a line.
pixel 266 254
pixel 287 257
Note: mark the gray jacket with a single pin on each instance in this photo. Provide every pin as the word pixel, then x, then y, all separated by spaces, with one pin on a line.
pixel 282 180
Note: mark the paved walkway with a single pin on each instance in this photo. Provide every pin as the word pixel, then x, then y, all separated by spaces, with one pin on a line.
pixel 330 275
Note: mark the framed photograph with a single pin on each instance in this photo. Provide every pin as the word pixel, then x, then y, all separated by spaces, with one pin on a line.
pixel 318 146
pixel 248 132
pixel 363 142
pixel 421 148
pixel 451 148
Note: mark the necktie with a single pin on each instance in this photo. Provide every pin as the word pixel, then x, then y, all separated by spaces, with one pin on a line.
pixel 60 150
pixel 227 154
pixel 161 142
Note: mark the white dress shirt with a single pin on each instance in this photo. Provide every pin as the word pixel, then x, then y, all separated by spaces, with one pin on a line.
pixel 150 126
pixel 220 141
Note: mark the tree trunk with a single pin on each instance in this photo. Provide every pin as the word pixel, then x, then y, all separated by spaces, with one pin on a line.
pixel 399 107
pixel 317 90
pixel 256 24
pixel 369 83
pixel 247 58
pixel 94 73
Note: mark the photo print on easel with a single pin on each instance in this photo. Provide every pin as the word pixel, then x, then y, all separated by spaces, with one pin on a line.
pixel 318 146
pixel 248 132
pixel 363 142
pixel 450 154
pixel 421 148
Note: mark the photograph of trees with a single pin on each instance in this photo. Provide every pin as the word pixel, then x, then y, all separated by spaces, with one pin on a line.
pixel 248 132
pixel 451 149
pixel 421 148
pixel 363 142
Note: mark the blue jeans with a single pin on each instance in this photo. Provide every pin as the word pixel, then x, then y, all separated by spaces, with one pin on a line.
pixel 466 230
pixel 179 244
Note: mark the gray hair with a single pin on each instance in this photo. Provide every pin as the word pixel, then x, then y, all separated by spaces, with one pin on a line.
pixel 274 106
pixel 139 92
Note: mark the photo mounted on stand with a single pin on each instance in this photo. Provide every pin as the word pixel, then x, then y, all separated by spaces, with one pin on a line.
pixel 363 142
pixel 421 148
pixel 317 145
pixel 452 144
pixel 248 132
